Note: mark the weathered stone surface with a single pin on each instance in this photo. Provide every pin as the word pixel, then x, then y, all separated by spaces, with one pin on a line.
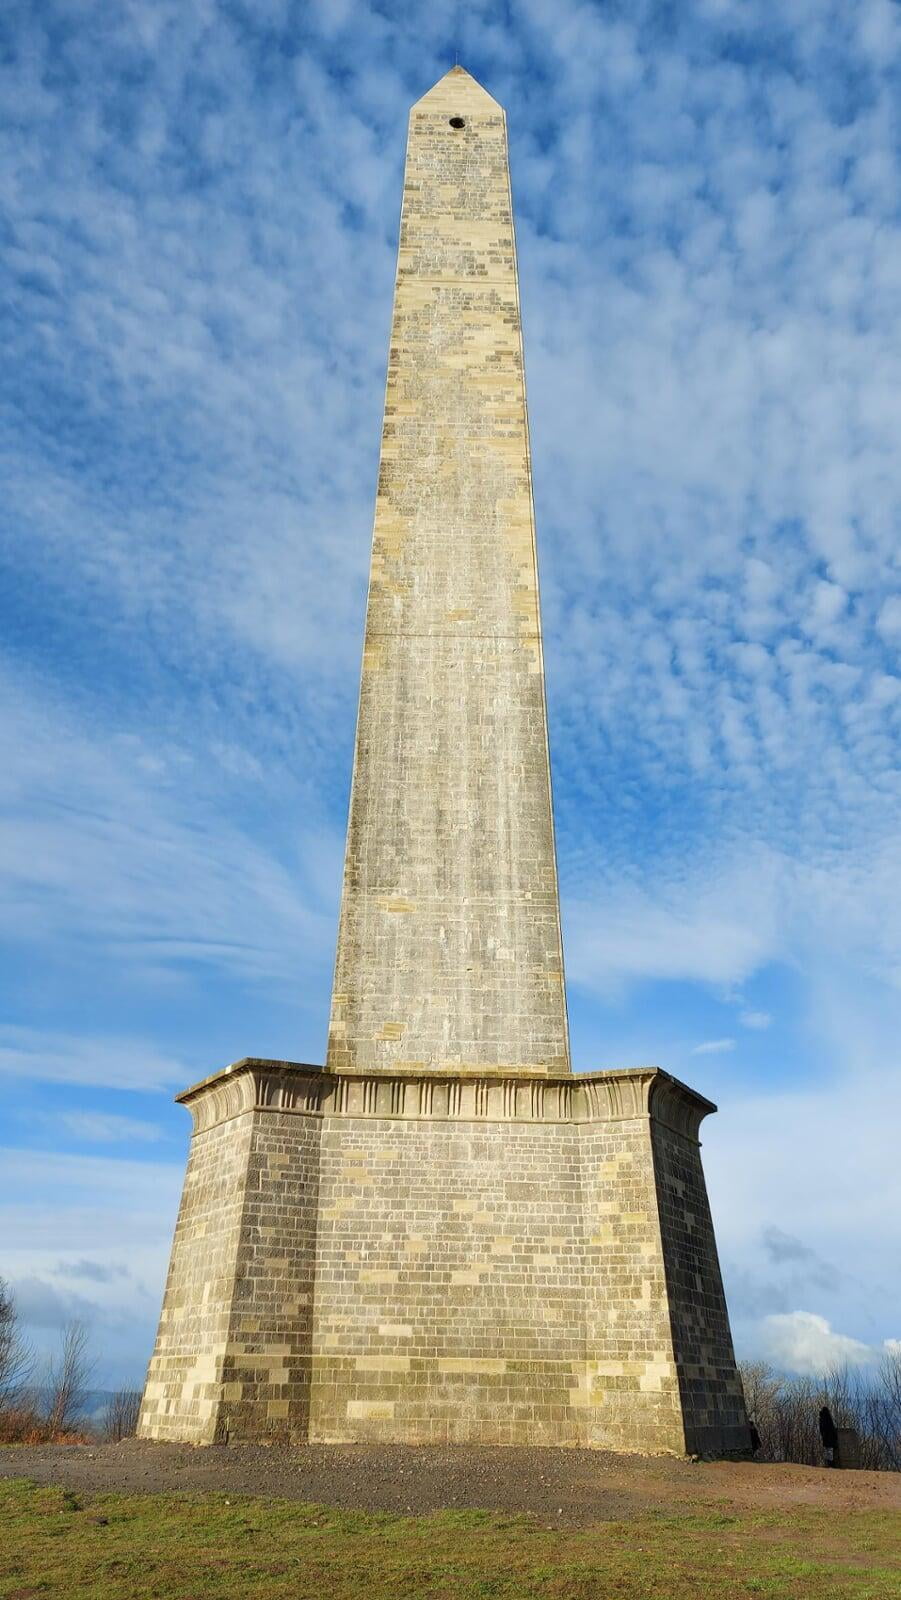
pixel 449 949
pixel 447 1236
pixel 428 1257
pixel 234 1348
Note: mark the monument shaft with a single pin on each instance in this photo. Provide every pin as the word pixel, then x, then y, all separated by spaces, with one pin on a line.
pixel 449 951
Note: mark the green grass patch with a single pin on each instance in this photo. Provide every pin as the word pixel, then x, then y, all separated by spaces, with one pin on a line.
pixel 202 1547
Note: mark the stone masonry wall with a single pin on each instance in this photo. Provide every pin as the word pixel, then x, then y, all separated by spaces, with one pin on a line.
pixel 266 1372
pixel 184 1390
pixel 448 1282
pixel 233 1351
pixel 631 1391
pixel 440 1259
pixel 712 1399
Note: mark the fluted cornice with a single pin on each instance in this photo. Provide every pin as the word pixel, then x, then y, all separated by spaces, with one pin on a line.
pixel 253 1084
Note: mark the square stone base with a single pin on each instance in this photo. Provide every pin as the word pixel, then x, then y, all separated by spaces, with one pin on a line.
pixel 435 1258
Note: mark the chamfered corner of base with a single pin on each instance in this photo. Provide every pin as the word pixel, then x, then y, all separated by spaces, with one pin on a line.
pixel 234 1345
pixel 710 1389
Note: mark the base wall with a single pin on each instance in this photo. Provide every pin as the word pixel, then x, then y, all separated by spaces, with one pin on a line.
pixel 712 1398
pixel 631 1390
pixel 183 1396
pixel 233 1355
pixel 437 1261
pixel 267 1369
pixel 449 1296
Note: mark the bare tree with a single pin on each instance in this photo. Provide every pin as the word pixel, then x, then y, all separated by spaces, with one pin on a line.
pixel 761 1389
pixel 16 1357
pixel 786 1411
pixel 884 1410
pixel 120 1419
pixel 70 1374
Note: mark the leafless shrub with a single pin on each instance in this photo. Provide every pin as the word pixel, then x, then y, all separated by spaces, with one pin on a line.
pixel 120 1419
pixel 69 1376
pixel 31 1413
pixel 883 1411
pixel 16 1358
pixel 22 1424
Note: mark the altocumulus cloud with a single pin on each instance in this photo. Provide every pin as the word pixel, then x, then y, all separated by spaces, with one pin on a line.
pixel 201 203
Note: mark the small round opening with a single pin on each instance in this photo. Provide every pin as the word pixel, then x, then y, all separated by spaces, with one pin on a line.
pixel 457 122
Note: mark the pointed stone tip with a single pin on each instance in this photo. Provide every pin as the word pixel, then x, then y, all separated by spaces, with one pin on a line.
pixel 457 89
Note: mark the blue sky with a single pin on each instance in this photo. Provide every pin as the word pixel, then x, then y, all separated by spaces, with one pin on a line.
pixel 201 204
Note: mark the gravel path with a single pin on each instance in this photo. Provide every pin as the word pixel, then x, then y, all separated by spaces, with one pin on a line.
pixel 574 1487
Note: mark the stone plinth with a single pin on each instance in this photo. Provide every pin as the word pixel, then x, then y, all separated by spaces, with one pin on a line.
pixel 431 1257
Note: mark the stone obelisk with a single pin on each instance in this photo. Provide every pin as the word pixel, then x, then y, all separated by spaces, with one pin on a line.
pixel 448 1235
pixel 449 951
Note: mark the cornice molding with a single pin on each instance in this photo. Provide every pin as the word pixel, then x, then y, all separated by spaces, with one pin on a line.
pixel 253 1084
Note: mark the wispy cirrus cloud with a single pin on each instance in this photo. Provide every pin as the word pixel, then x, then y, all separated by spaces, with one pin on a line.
pixel 106 1127
pixel 126 1063
pixel 138 848
pixel 758 1020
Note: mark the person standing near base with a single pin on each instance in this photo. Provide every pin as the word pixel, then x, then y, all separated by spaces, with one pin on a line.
pixel 829 1435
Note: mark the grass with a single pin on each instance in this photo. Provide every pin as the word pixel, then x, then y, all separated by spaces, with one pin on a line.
pixel 201 1547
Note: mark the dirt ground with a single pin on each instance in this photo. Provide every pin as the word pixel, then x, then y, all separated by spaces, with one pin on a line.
pixel 566 1487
